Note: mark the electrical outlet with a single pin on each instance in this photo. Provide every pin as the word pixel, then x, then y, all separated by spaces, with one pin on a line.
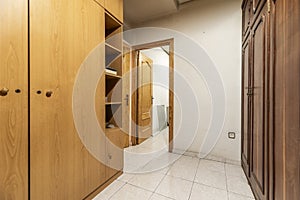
pixel 231 135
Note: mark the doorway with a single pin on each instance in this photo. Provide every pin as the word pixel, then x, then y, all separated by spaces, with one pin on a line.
pixel 153 104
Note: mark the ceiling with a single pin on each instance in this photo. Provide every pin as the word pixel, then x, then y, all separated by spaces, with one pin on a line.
pixel 139 11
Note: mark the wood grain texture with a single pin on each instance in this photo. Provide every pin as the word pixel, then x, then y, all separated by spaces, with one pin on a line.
pixel 133 97
pixel 126 91
pixel 281 101
pixel 102 187
pixel 135 49
pixel 171 93
pixel 100 2
pixel 246 105
pixel 14 106
pixel 62 35
pixel 246 18
pixel 259 165
pixel 116 138
pixel 115 7
pixel 114 148
pixel 145 94
pixel 285 52
pixel 258 133
pixel 255 101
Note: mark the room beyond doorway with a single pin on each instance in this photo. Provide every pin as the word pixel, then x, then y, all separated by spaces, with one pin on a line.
pixel 152 102
pixel 167 48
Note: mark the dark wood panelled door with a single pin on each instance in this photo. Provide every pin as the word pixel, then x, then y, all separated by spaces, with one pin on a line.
pixel 14 100
pixel 285 53
pixel 259 139
pixel 246 106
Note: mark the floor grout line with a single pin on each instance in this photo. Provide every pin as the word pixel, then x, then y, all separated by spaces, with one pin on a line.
pixel 226 181
pixel 166 173
pixel 194 179
pixel 116 191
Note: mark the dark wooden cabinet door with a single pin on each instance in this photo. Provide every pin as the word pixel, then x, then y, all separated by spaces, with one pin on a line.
pixel 286 59
pixel 257 5
pixel 247 13
pixel 259 138
pixel 246 105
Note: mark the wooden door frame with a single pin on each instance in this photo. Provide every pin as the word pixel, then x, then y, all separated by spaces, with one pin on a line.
pixel 135 49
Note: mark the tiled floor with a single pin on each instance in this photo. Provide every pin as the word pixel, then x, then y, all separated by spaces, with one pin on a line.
pixel 189 178
pixel 166 176
pixel 137 158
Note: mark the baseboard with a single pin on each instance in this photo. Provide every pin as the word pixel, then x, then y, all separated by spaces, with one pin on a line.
pixel 103 186
pixel 207 157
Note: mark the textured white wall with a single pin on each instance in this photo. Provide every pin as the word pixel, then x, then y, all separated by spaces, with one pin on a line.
pixel 216 26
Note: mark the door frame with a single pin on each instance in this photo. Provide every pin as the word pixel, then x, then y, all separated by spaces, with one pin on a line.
pixel 134 104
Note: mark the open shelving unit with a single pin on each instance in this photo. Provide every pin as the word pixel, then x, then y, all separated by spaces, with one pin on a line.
pixel 113 82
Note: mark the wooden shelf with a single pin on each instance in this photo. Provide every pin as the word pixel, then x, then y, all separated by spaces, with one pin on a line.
pixel 113 103
pixel 110 49
pixel 111 54
pixel 111 24
pixel 112 76
pixel 112 129
pixel 113 86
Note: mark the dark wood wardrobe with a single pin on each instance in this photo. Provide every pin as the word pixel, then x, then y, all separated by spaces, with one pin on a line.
pixel 271 98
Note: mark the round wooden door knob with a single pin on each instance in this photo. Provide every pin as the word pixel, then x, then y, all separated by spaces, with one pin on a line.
pixel 4 91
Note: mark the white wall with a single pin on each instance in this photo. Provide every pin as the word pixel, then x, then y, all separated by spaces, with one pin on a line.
pixel 160 80
pixel 216 26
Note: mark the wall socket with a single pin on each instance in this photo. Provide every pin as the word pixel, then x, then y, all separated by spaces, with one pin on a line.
pixel 231 135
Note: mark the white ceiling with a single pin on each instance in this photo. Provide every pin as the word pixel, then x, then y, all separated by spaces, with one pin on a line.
pixel 138 11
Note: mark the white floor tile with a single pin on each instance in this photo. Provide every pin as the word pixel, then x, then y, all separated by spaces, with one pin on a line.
pixel 239 186
pixel 191 154
pixel 175 188
pixel 162 162
pixel 132 193
pixel 148 181
pixel 234 162
pixel 184 168
pixel 234 170
pixel 110 190
pixel 167 157
pixel 159 197
pixel 156 165
pixel 211 178
pixel 233 196
pixel 200 192
pixel 215 158
pixel 211 166
pixel 125 177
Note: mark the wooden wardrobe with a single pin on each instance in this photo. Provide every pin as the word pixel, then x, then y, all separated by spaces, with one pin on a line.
pixel 42 46
pixel 271 98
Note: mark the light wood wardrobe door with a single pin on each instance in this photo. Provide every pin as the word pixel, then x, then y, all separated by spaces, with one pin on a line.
pixel 62 36
pixel 101 2
pixel 115 7
pixel 14 104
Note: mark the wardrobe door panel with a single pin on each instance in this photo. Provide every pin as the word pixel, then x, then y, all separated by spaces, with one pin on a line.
pixel 13 100
pixel 101 2
pixel 257 6
pixel 247 15
pixel 115 7
pixel 259 139
pixel 61 36
pixel 246 106
pixel 287 99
